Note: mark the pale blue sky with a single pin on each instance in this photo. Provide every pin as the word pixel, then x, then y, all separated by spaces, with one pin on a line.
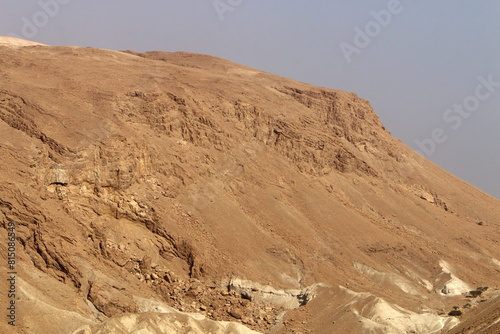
pixel 415 67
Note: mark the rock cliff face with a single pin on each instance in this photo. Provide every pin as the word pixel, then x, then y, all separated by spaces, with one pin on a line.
pixel 166 191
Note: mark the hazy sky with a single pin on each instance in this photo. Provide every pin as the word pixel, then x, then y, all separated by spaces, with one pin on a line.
pixel 431 69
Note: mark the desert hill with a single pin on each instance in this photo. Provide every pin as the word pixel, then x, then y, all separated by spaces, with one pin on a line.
pixel 171 192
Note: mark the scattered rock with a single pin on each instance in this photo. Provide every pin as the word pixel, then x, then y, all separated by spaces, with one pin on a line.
pixel 236 313
pixel 246 320
pixel 475 293
pixel 168 277
pixel 145 264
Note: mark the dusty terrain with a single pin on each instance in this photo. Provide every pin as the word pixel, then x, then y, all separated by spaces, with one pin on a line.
pixel 183 193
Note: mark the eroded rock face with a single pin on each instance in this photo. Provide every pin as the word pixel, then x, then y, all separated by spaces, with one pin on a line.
pixel 287 299
pixel 163 175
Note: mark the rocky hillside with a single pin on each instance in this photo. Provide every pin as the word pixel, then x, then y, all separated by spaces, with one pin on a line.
pixel 178 192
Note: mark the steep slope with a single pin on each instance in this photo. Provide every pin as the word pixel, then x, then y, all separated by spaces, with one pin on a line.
pixel 188 181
